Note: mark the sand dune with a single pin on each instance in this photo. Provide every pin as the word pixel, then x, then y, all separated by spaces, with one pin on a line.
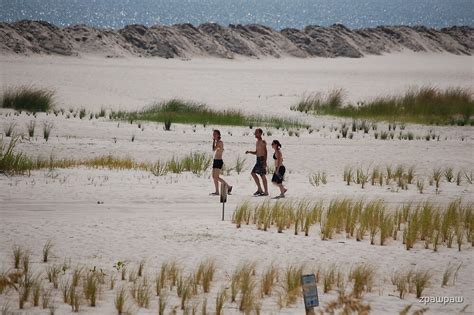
pixel 210 39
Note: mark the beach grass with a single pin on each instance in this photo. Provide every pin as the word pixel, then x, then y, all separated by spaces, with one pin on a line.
pixel 47 250
pixel 362 276
pixel 426 222
pixel 424 105
pixel 11 162
pixel 18 163
pixel 248 290
pixel 187 112
pixel 28 98
pixel 120 300
pixel 9 129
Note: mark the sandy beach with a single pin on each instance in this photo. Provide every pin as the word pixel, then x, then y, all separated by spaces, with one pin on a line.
pixel 96 217
pixel 262 86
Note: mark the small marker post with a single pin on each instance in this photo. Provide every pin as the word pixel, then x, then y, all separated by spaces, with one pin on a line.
pixel 223 198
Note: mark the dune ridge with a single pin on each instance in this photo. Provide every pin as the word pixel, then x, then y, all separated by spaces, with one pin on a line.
pixel 213 40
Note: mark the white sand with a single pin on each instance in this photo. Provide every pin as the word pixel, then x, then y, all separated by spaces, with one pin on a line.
pixel 172 217
pixel 269 85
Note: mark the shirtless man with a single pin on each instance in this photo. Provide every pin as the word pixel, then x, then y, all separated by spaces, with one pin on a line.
pixel 218 148
pixel 260 167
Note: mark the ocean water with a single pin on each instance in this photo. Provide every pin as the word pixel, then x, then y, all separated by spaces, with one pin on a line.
pixel 274 13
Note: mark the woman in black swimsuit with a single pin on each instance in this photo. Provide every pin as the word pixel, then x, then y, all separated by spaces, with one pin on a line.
pixel 218 163
pixel 277 178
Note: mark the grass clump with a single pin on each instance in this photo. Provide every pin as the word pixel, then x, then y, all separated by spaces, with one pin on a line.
pixel 18 253
pixel 47 127
pixel 363 277
pixel 347 304
pixel 269 279
pixel 419 105
pixel 243 282
pixel 401 280
pixel 28 98
pixel 31 128
pixel 205 274
pixel 46 298
pixel 318 178
pixel 162 303
pixel 449 174
pixel 186 112
pixel 159 168
pixel 9 129
pixel 36 292
pixel 91 287
pixel 25 287
pixel 450 273
pixel 11 162
pixel 292 284
pixel 195 162
pixel 141 292
pixel 47 250
pixel 240 214
pixel 421 280
pixel 53 272
pixel 239 164
pixel 321 103
pixel 120 301
pixel 220 300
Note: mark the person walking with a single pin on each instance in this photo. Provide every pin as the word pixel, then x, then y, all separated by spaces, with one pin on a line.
pixel 218 163
pixel 260 168
pixel 280 169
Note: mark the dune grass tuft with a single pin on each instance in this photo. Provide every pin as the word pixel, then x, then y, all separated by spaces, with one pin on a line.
pixel 421 280
pixel 47 250
pixel 363 277
pixel 220 300
pixel 11 162
pixel 292 283
pixel 269 279
pixel 419 105
pixel 121 301
pixel 47 127
pixel 18 253
pixel 347 304
pixel 28 97
pixel 141 292
pixel 91 287
pixel 185 112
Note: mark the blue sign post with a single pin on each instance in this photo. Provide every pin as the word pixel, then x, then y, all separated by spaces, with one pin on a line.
pixel 310 292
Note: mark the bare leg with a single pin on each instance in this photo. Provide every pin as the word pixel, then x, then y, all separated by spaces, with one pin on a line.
pixel 257 181
pixel 265 184
pixel 215 177
pixel 282 189
pixel 221 180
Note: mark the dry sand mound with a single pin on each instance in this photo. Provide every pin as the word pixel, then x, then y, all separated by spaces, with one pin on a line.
pixel 210 39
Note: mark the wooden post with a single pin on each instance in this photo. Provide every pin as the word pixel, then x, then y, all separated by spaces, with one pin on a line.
pixel 223 198
pixel 223 210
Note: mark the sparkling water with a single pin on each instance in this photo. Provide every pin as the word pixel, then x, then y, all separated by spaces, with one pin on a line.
pixel 274 13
